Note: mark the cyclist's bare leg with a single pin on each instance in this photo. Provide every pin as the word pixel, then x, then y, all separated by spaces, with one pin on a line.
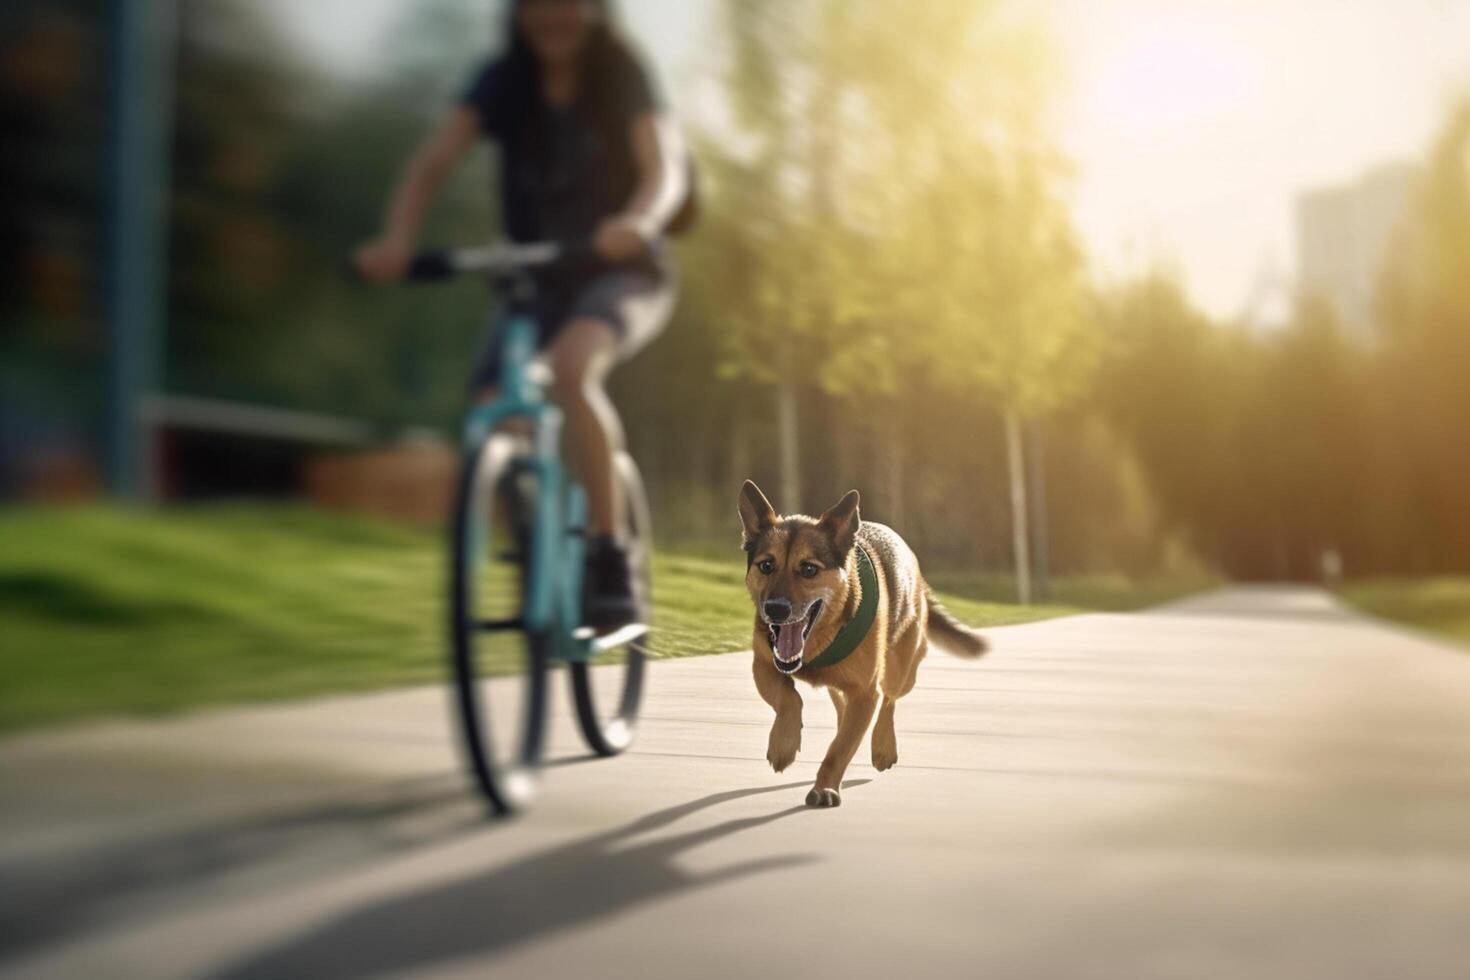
pixel 581 356
pixel 515 426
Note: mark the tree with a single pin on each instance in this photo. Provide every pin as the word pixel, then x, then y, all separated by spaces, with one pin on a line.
pixel 898 215
pixel 280 169
pixel 1425 313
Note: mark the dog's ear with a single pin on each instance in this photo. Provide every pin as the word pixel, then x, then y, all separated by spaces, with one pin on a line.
pixel 756 512
pixel 841 522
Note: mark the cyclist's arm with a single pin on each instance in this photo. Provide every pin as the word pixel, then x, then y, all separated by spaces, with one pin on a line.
pixel 658 149
pixel 423 176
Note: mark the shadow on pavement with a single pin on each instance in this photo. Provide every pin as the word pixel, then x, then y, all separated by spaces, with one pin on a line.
pixel 48 899
pixel 537 896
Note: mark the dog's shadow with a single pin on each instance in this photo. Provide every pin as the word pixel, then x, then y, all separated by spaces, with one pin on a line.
pixel 537 896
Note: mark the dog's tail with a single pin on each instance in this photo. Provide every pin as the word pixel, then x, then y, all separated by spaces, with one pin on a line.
pixel 951 634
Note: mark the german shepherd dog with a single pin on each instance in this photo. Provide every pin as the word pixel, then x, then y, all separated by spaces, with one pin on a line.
pixel 804 575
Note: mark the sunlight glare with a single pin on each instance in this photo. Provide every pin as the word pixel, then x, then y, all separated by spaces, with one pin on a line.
pixel 1177 70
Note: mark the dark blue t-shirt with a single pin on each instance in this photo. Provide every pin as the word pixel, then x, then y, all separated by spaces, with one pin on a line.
pixel 563 170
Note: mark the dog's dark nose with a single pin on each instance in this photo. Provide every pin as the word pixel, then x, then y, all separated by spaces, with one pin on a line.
pixel 777 610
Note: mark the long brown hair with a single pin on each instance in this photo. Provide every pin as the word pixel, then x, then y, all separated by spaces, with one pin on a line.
pixel 605 57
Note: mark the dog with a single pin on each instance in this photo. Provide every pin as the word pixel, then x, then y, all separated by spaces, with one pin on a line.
pixel 839 603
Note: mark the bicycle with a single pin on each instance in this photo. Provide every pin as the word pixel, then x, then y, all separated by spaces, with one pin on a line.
pixel 517 548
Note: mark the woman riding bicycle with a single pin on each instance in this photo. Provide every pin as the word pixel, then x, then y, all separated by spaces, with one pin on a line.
pixel 587 153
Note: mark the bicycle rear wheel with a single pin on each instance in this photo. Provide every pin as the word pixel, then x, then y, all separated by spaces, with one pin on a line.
pixel 499 665
pixel 608 689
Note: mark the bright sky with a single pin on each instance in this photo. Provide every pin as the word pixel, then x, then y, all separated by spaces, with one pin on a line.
pixel 348 32
pixel 1193 124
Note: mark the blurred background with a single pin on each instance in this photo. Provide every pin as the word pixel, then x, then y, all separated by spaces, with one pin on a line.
pixel 1094 302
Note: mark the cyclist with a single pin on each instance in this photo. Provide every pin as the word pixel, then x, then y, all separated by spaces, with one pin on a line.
pixel 587 153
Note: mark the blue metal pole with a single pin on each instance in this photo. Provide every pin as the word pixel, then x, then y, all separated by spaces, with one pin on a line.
pixel 141 47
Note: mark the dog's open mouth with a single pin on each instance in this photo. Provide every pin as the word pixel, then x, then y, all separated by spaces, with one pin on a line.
pixel 788 640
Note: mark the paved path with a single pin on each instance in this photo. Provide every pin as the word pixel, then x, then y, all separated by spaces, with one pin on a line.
pixel 1253 784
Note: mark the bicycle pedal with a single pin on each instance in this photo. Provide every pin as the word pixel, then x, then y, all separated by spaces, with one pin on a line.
pixel 619 637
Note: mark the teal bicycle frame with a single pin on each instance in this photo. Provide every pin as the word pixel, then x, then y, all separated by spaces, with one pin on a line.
pixel 558 538
pixel 547 540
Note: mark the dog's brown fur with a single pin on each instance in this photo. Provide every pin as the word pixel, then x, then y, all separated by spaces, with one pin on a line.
pixel 882 668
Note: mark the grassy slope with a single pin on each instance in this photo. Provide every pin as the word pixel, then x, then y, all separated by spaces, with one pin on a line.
pixel 111 611
pixel 1441 605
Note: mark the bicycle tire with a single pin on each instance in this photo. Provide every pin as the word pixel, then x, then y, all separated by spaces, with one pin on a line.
pixel 488 588
pixel 610 732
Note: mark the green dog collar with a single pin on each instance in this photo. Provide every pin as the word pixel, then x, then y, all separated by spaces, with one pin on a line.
pixel 848 638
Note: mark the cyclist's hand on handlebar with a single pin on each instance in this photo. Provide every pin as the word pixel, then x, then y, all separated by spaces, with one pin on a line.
pixel 619 239
pixel 382 260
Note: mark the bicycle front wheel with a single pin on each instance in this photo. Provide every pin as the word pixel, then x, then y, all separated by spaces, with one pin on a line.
pixel 607 690
pixel 499 665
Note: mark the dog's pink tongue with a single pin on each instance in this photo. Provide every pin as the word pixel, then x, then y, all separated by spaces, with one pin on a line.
pixel 789 641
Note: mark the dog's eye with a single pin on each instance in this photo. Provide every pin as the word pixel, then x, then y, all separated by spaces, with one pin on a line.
pixel 766 566
pixel 808 570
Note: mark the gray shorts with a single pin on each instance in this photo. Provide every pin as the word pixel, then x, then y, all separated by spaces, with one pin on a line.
pixel 635 303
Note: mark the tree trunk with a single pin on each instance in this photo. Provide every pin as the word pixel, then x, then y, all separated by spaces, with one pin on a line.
pixel 894 471
pixel 1020 534
pixel 789 433
pixel 740 457
pixel 1040 526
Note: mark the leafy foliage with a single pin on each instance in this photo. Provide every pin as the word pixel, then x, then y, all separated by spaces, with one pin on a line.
pixel 887 256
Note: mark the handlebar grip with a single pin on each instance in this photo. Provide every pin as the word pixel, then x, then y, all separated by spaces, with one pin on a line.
pixel 430 267
pixel 442 264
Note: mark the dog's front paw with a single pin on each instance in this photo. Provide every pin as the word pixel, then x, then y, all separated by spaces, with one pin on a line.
pixel 823 798
pixel 782 747
pixel 781 755
pixel 884 756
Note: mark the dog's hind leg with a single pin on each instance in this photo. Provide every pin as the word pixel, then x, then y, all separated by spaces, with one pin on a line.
pixel 906 666
pixel 779 691
pixel 898 680
pixel 885 740
pixel 850 731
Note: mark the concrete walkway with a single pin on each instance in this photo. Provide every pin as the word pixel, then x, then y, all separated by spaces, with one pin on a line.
pixel 1252 784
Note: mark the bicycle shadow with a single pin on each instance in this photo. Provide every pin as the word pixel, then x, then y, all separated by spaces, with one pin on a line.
pixel 557 889
pixel 53 898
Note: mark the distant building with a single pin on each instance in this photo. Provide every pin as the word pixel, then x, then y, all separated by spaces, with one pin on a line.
pixel 1343 235
pixel 1269 305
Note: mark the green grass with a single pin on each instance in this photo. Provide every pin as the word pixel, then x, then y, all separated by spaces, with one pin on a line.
pixel 989 599
pixel 1441 605
pixel 111 611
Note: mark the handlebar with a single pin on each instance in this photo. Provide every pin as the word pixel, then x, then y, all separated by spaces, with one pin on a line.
pixel 499 259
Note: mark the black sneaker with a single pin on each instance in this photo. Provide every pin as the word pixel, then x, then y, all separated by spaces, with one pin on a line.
pixel 608 601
